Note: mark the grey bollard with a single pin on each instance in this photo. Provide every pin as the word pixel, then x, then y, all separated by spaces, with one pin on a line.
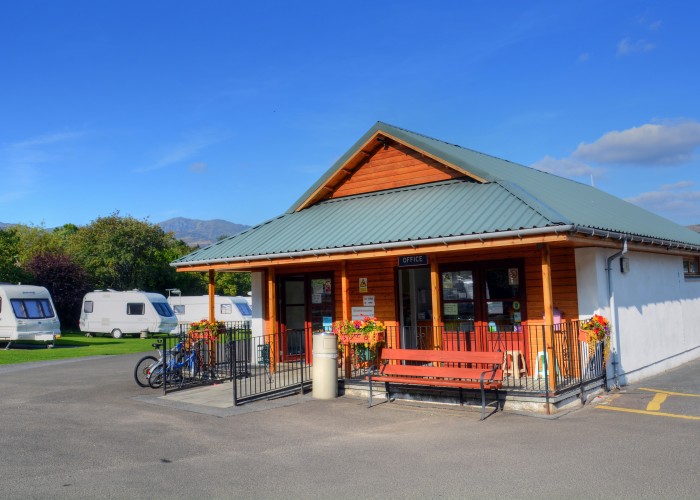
pixel 325 366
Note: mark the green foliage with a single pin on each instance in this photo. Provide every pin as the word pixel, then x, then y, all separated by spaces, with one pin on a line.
pixel 124 253
pixel 232 283
pixel 65 280
pixel 11 270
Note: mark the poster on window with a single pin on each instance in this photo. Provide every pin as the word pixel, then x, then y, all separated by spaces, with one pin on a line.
pixel 317 286
pixel 513 277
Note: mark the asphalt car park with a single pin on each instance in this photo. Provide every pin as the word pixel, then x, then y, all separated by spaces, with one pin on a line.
pixel 84 429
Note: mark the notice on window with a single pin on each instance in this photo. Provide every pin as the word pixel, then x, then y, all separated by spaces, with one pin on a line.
pixel 450 309
pixel 316 298
pixel 317 286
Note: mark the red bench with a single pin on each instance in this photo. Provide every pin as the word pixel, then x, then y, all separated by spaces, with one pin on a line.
pixel 459 369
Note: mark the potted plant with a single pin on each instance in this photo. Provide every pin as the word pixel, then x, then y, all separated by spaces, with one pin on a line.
pixel 594 331
pixel 364 335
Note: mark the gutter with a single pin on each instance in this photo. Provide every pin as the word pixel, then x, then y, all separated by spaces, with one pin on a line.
pixel 519 233
pixel 614 337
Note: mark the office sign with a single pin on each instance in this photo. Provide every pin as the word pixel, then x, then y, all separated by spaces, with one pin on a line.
pixel 413 260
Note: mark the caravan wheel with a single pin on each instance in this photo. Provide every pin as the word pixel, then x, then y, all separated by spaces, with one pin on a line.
pixel 117 333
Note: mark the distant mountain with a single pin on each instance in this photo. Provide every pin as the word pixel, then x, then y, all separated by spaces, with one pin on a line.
pixel 3 225
pixel 696 228
pixel 201 232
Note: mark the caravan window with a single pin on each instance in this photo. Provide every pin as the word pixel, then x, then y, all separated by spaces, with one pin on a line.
pixel 226 308
pixel 163 308
pixel 135 308
pixel 179 309
pixel 244 308
pixel 88 307
pixel 32 308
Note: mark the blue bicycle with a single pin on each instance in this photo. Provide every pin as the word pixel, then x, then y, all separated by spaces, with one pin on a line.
pixel 180 365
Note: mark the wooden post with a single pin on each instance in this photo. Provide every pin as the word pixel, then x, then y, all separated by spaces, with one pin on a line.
pixel 271 310
pixel 345 298
pixel 548 316
pixel 435 298
pixel 212 293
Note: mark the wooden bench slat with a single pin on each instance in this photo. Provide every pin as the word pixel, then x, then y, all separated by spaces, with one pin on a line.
pixel 442 356
pixel 441 371
pixel 466 384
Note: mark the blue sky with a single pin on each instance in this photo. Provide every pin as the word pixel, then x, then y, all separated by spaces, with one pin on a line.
pixel 231 110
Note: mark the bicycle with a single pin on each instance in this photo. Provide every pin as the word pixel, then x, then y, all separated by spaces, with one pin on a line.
pixel 180 365
pixel 145 365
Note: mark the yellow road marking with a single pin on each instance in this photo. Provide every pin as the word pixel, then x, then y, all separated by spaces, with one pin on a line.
pixel 671 393
pixel 645 412
pixel 655 404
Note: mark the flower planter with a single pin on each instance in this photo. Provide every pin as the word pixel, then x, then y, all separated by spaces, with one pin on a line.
pixel 362 338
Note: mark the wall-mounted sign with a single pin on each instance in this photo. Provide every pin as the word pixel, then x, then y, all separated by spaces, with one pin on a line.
pixel 363 285
pixel 368 300
pixel 359 313
pixel 413 260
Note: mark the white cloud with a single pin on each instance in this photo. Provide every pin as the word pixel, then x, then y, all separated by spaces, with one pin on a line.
pixel 678 201
pixel 650 144
pixel 566 167
pixel 185 150
pixel 21 163
pixel 627 46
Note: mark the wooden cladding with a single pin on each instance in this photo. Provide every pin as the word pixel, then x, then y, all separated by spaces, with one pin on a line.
pixel 393 167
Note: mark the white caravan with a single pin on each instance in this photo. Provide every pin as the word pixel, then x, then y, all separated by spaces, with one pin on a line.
pixel 27 313
pixel 189 309
pixel 125 313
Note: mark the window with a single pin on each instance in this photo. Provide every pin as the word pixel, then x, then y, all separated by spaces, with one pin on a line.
pixel 691 267
pixel 32 308
pixel 244 308
pixel 163 308
pixel 226 308
pixel 88 306
pixel 135 308
pixel 458 297
pixel 179 309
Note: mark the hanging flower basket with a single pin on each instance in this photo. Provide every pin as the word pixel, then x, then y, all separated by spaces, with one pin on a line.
pixel 593 332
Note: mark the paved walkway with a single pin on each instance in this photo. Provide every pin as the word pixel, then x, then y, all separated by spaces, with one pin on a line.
pixel 217 400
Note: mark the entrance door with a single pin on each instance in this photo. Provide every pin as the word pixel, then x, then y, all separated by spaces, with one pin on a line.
pixel 306 305
pixel 415 308
pixel 293 320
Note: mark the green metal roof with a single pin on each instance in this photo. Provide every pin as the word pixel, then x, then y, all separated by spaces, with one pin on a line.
pixel 514 198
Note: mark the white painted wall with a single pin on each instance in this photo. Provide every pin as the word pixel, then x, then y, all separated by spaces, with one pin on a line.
pixel 656 308
pixel 258 293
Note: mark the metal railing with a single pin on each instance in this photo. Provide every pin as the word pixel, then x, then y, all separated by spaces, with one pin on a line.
pixel 537 359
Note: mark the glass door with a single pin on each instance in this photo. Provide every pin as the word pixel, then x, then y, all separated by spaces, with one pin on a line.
pixel 415 308
pixel 293 317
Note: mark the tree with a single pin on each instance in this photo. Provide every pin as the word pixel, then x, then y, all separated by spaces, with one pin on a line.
pixel 124 253
pixel 233 283
pixel 11 270
pixel 66 281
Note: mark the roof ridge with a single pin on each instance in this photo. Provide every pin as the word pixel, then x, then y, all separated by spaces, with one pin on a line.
pixel 379 123
pixel 540 207
pixel 381 192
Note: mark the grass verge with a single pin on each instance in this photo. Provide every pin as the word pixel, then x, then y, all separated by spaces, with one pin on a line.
pixel 74 345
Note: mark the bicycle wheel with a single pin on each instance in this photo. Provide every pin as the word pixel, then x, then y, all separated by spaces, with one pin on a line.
pixel 155 378
pixel 143 369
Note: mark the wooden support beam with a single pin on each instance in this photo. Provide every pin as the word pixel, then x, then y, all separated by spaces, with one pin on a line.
pixel 345 298
pixel 271 316
pixel 548 314
pixel 435 298
pixel 212 293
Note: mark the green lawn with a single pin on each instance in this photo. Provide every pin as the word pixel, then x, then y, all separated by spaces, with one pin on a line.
pixel 74 345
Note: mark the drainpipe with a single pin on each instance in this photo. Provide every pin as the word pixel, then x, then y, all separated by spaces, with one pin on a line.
pixel 614 338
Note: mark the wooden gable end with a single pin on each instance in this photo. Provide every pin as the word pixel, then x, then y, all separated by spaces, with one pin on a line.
pixel 390 166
